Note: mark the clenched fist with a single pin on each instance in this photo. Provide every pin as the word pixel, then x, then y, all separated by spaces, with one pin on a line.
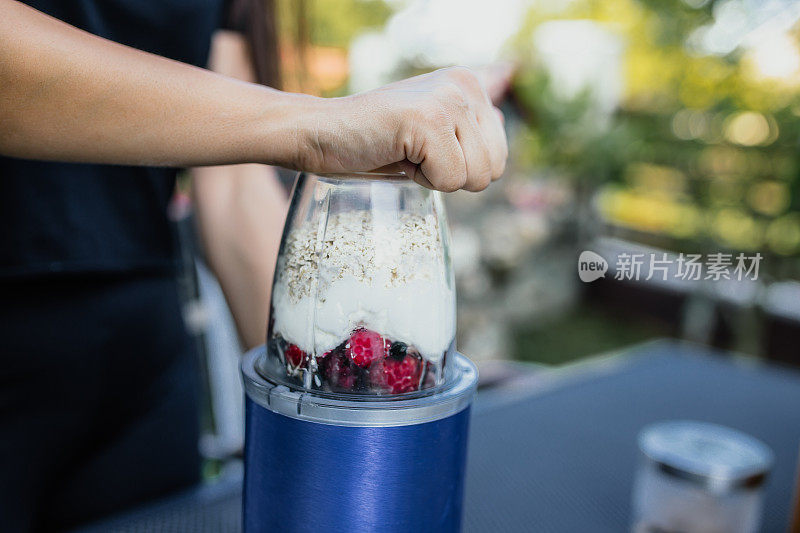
pixel 440 128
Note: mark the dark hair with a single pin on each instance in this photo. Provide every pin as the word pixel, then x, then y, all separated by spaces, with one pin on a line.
pixel 256 20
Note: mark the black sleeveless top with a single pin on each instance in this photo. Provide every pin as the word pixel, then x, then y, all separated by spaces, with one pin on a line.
pixel 77 218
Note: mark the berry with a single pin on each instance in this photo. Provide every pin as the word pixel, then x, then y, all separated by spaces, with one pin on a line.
pixel 295 356
pixel 397 375
pixel 365 346
pixel 397 350
pixel 347 380
pixel 338 372
pixel 325 357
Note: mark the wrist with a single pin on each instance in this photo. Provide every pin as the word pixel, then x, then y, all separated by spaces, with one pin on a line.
pixel 328 134
pixel 321 127
pixel 276 128
pixel 342 134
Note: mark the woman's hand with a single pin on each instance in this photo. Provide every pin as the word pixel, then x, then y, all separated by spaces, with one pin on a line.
pixel 440 128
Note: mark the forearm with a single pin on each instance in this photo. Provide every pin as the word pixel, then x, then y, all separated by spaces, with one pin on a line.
pixel 67 95
pixel 240 213
pixel 71 96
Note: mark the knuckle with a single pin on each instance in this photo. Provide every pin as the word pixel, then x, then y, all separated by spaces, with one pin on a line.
pixel 479 183
pixel 484 180
pixel 453 182
pixel 466 77
pixel 431 116
pixel 461 73
pixel 485 166
pixel 449 94
pixel 487 172
pixel 419 114
pixel 499 169
pixel 484 151
pixel 438 125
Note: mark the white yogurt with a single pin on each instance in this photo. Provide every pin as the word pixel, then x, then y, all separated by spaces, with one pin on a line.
pixel 388 278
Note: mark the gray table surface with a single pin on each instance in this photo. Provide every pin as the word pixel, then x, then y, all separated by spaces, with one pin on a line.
pixel 560 453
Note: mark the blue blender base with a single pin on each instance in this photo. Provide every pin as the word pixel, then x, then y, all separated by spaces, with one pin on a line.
pixel 311 477
pixel 379 465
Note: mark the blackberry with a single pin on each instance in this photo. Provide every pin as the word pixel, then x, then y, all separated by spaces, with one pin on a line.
pixel 398 350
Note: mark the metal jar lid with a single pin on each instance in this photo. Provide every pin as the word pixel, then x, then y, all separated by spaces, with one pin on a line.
pixel 717 458
pixel 452 397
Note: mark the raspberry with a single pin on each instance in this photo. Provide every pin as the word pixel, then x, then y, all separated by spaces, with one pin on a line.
pixel 338 372
pixel 348 380
pixel 295 356
pixel 397 375
pixel 365 346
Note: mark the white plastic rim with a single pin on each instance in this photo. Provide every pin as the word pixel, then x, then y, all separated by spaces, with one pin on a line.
pixel 454 396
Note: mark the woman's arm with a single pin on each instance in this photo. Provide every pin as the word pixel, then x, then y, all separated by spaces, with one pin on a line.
pixel 68 95
pixel 240 210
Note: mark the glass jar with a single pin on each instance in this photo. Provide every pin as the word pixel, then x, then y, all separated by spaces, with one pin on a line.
pixel 699 477
pixel 363 300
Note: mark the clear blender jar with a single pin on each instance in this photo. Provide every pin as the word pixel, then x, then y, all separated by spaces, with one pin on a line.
pixel 363 301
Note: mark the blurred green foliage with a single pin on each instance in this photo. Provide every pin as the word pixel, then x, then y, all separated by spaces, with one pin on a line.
pixel 331 22
pixel 700 148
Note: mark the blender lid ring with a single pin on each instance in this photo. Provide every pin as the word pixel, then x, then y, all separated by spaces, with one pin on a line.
pixel 375 411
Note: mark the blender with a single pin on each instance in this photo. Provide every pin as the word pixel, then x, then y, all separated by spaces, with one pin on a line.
pixel 357 406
